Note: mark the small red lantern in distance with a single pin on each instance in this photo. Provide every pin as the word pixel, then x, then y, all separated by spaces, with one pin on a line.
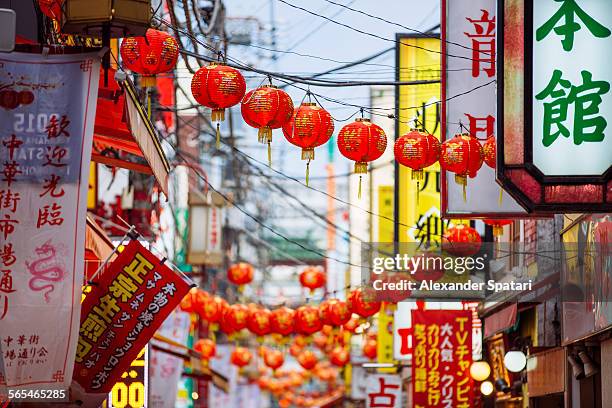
pixel 236 316
pixel 266 108
pixel 370 349
pixel 489 152
pixel 461 155
pixel 240 357
pixel 153 54
pixel 461 240
pixel 240 274
pixel 498 226
pixel 312 278
pixel 307 320
pixel 362 141
pixel 357 304
pixel 206 347
pixel 258 322
pixel 339 312
pixel 212 310
pixel 193 300
pixel 282 320
pixel 273 358
pixel 339 356
pixel 417 150
pixel 307 359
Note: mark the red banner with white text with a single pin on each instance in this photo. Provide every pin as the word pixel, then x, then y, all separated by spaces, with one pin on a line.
pixel 442 358
pixel 129 302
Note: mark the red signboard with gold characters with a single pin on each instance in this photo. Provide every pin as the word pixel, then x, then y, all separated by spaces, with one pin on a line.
pixel 442 358
pixel 129 302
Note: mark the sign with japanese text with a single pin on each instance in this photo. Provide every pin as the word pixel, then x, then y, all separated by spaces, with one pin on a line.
pixel 442 358
pixel 383 391
pixel 132 298
pixel 555 104
pixel 47 108
pixel 469 30
pixel 132 390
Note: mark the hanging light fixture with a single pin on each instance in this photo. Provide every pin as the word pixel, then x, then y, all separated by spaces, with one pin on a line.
pixel 480 370
pixel 515 361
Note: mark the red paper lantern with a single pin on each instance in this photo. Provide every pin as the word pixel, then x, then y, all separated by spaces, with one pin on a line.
pixel 307 359
pixel 236 316
pixel 417 150
pixel 193 300
pixel 258 322
pixel 312 278
pixel 334 312
pixel 489 152
pixel 309 127
pixel 51 8
pixel 307 320
pixel 320 340
pixel 357 304
pixel 461 155
pixel 295 349
pixel 212 309
pixel 282 320
pixel 153 54
pixel 240 357
pixel 266 108
pixel 461 240
pixel 339 356
pixel 273 358
pixel 498 226
pixel 206 347
pixel 240 274
pixel 370 349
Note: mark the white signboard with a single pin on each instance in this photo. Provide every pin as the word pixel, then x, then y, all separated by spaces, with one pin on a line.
pixel 571 96
pixel 48 104
pixel 469 36
pixel 383 390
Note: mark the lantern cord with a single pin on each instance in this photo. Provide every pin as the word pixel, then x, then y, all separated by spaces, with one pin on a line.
pixel 148 95
pixel 218 136
pixel 464 187
pixel 269 153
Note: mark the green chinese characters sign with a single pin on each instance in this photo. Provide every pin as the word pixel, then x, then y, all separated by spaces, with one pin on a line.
pixel 571 96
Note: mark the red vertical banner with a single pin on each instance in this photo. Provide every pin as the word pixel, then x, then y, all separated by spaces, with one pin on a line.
pixel 119 316
pixel 442 358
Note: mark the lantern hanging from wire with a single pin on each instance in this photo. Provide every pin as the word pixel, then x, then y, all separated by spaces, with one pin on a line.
pixel 357 303
pixel 206 347
pixel 461 240
pixel 193 300
pixel 240 357
pixel 463 156
pixel 362 141
pixel 282 321
pixel 307 320
pixel 309 127
pixel 240 274
pixel 212 310
pixel 370 349
pixel 273 358
pixel 307 359
pixel 489 152
pixel 153 54
pixel 334 312
pixel 312 278
pixel 218 87
pixel 339 356
pixel 258 322
pixel 417 150
pixel 498 226
pixel 266 108
pixel 236 316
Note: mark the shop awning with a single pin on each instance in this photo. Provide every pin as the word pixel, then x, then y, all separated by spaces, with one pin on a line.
pixel 123 134
pixel 500 321
pixel 98 247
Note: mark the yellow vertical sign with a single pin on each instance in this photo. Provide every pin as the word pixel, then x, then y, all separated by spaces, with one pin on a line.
pixel 384 337
pixel 385 209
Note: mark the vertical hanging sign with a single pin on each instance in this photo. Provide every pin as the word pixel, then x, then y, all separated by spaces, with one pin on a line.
pixel 47 108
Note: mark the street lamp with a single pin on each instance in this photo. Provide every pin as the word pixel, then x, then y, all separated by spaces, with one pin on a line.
pixel 480 370
pixel 515 361
pixel 486 388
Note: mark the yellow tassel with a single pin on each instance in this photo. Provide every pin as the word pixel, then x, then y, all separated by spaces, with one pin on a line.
pixel 269 153
pixel 359 191
pixel 501 196
pixel 218 136
pixel 418 192
pixel 148 104
pixel 464 193
pixel 307 171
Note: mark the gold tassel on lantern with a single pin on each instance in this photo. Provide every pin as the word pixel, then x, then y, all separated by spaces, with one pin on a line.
pixel 308 154
pixel 501 196
pixel 360 168
pixel 218 136
pixel 217 115
pixel 307 171
pixel 462 181
pixel 270 153
pixel 147 81
pixel 418 176
pixel 498 230
pixel 264 135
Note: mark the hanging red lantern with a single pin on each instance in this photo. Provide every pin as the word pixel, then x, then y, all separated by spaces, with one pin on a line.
pixel 461 240
pixel 295 349
pixel 489 152
pixel 312 278
pixel 357 304
pixel 309 127
pixel 152 54
pixel 273 358
pixel 212 310
pixel 334 312
pixel 282 320
pixel 417 150
pixel 51 8
pixel 320 340
pixel 463 156
pixel 240 274
pixel 362 141
pixel 258 322
pixel 236 316
pixel 240 357
pixel 307 359
pixel 266 108
pixel 307 320
pixel 339 356
pixel 193 300
pixel 206 347
pixel 352 324
pixel 324 312
pixel 218 87
pixel 370 349
pixel 498 226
